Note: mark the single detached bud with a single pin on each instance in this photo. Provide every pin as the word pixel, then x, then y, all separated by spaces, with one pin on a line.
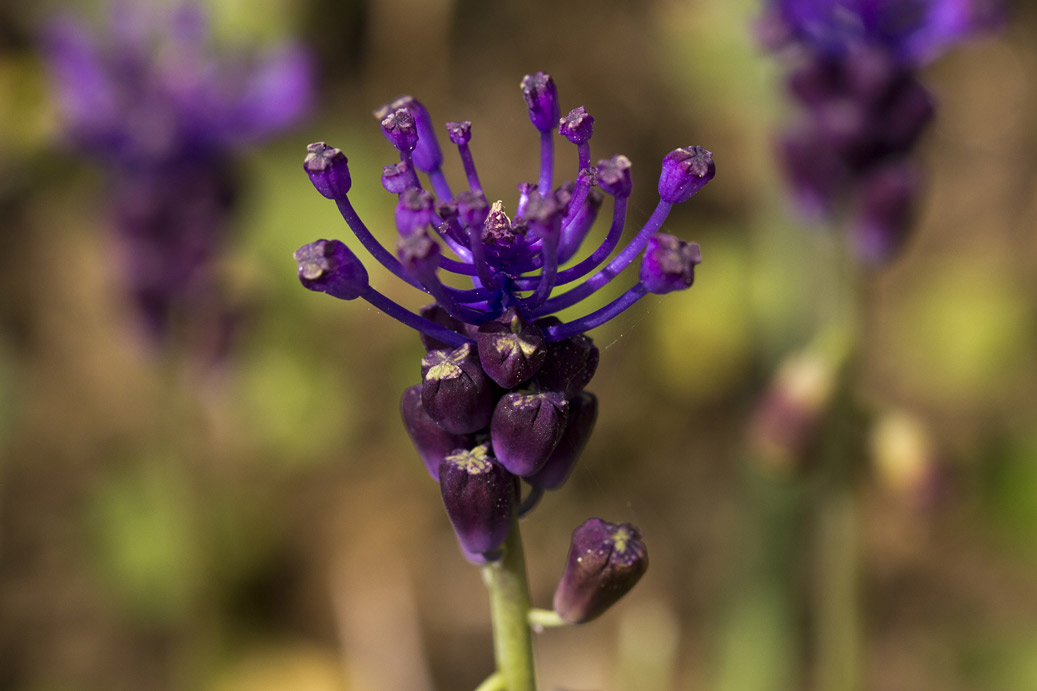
pixel 472 209
pixel 432 442
pixel 419 254
pixel 510 350
pixel 577 126
pixel 669 264
pixel 459 132
pixel 455 391
pixel 328 169
pixel 542 99
pixel 614 176
pixel 414 211
pixel 605 562
pixel 583 413
pixel 435 313
pixel 526 427
pixel 685 172
pixel 427 155
pixel 479 495
pixel 396 178
pixel 570 363
pixel 400 129
pixel 327 266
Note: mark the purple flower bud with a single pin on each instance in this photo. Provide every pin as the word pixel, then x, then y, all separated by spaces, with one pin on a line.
pixel 583 413
pixel 418 253
pixel 459 132
pixel 525 429
pixel 455 391
pixel 432 442
pixel 685 171
pixel 614 176
pixel 479 495
pixel 570 363
pixel 435 313
pixel 510 350
pixel 328 169
pixel 498 230
pixel 327 266
pixel 542 99
pixel 427 155
pixel 605 562
pixel 577 126
pixel 414 211
pixel 400 129
pixel 472 209
pixel 396 178
pixel 884 212
pixel 669 264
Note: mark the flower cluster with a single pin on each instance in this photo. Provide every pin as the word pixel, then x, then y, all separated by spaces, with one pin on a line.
pixel 163 112
pixel 502 397
pixel 863 108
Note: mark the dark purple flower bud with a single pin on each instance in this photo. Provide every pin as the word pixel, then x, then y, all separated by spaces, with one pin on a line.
pixel 435 313
pixel 418 253
pixel 570 363
pixel 605 562
pixel 327 266
pixel 459 132
pixel 455 391
pixel 542 99
pixel 614 176
pixel 883 217
pixel 427 155
pixel 510 350
pixel 472 209
pixel 669 264
pixel 396 178
pixel 400 129
pixel 414 211
pixel 526 427
pixel 432 442
pixel 685 172
pixel 328 170
pixel 479 495
pixel 583 413
pixel 577 126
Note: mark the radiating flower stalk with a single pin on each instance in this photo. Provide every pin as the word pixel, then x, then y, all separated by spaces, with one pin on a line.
pixel 849 158
pixel 166 115
pixel 502 412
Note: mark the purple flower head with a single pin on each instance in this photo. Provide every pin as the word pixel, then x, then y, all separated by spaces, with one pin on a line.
pixel 605 562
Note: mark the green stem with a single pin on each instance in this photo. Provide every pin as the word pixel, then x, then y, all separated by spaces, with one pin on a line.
pixel 545 619
pixel 509 611
pixel 494 682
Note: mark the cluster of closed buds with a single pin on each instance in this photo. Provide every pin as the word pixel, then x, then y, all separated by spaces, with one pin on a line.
pixel 502 400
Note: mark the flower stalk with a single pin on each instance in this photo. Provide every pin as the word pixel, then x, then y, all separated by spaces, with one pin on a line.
pixel 509 613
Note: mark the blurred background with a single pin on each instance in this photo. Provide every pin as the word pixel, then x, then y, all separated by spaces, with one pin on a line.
pixel 171 518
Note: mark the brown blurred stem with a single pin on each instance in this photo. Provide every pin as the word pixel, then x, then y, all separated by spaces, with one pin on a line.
pixel 509 611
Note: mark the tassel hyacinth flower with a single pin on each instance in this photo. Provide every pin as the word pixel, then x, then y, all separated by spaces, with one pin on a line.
pixel 502 397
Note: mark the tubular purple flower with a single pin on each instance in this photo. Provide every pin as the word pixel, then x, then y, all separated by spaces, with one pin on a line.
pixel 479 496
pixel 669 264
pixel 400 129
pixel 397 177
pixel 328 169
pixel 455 391
pixel 427 155
pixel 605 562
pixel 577 126
pixel 614 176
pixel 415 211
pixel 685 172
pixel 329 267
pixel 510 350
pixel 526 427
pixel 542 100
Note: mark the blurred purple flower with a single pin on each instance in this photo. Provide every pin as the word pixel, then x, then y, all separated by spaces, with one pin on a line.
pixel 164 112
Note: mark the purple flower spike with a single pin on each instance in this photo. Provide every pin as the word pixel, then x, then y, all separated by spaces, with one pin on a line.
pixel 583 413
pixel 525 429
pixel 685 172
pixel 570 363
pixel 479 495
pixel 510 350
pixel 669 264
pixel 459 132
pixel 400 129
pixel 432 442
pixel 614 176
pixel 455 391
pixel 577 126
pixel 605 562
pixel 415 211
pixel 328 170
pixel 396 177
pixel 327 266
pixel 542 99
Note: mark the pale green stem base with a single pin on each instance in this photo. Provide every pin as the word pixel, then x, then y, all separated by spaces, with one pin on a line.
pixel 509 612
pixel 494 682
pixel 541 619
